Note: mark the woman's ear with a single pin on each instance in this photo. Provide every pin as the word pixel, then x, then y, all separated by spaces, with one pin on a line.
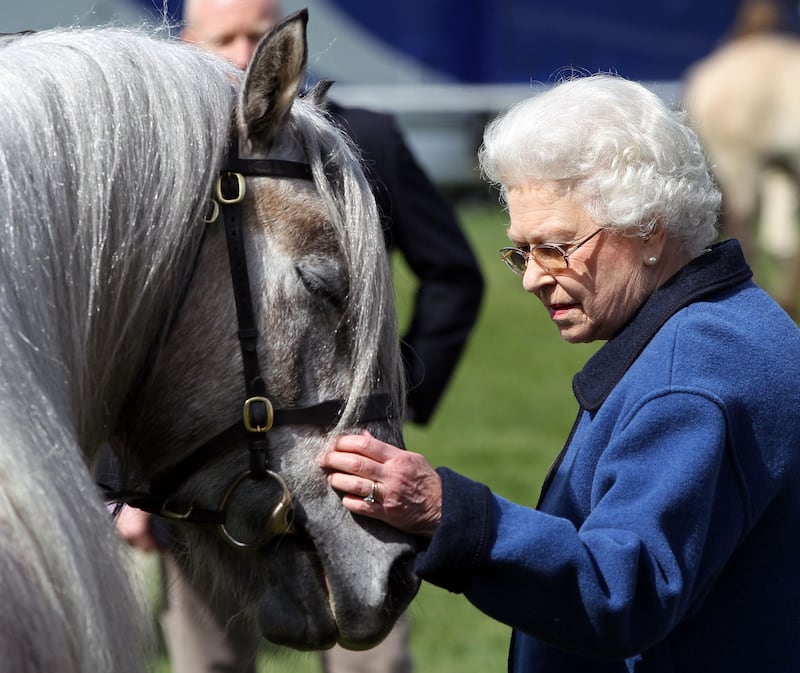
pixel 653 244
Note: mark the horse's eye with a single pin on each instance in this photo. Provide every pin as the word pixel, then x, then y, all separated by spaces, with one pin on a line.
pixel 321 286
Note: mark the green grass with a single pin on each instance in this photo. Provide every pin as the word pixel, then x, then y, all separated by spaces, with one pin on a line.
pixel 505 416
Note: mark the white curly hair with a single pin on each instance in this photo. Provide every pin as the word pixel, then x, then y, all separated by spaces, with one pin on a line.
pixel 634 161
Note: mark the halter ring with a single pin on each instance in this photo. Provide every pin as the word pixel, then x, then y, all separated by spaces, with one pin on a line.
pixel 279 522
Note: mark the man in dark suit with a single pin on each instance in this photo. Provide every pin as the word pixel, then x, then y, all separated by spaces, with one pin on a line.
pixel 421 225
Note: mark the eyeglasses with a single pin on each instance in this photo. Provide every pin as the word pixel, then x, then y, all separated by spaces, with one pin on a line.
pixel 550 257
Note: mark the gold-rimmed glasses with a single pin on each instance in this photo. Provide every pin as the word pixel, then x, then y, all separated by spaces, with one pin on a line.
pixel 550 257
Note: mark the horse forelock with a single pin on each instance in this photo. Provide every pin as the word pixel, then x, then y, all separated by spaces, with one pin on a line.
pixel 370 315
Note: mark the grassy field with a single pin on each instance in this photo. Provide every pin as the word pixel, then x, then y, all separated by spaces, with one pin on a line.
pixel 504 418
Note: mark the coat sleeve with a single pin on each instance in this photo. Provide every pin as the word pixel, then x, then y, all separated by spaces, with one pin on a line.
pixel 667 510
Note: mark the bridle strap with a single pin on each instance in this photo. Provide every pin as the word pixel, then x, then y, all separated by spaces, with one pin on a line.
pixel 230 210
pixel 158 499
pixel 247 330
pixel 161 506
pixel 230 195
pixel 324 414
pixel 271 168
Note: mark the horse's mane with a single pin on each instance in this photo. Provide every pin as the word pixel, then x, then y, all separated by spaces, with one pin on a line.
pixel 110 142
pixel 339 179
pixel 103 174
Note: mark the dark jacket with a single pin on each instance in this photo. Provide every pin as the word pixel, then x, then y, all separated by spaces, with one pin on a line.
pixel 420 223
pixel 666 537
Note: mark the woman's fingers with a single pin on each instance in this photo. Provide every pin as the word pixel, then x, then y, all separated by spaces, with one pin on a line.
pixel 358 486
pixel 367 446
pixel 384 482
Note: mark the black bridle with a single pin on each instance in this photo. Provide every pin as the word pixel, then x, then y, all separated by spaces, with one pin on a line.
pixel 258 414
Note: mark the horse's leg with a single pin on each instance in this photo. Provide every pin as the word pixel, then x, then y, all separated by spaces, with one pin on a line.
pixel 777 232
pixel 778 235
pixel 789 297
pixel 737 176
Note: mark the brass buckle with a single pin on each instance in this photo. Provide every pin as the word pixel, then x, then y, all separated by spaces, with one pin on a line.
pixel 246 415
pixel 212 213
pixel 176 516
pixel 240 189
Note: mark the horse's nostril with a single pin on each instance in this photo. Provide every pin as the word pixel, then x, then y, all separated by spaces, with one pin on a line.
pixel 403 582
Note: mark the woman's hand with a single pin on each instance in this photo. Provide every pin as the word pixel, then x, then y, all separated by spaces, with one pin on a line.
pixel 383 482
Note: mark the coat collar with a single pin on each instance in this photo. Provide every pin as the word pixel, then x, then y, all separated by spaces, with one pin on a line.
pixel 722 267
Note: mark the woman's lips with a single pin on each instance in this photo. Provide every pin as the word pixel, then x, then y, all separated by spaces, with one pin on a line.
pixel 559 310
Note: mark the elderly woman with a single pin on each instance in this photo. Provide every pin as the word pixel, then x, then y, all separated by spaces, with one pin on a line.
pixel 667 535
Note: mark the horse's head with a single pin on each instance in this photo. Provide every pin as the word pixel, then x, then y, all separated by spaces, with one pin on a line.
pixel 262 526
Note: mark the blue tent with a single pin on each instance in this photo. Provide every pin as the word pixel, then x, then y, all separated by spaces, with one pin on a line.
pixel 518 41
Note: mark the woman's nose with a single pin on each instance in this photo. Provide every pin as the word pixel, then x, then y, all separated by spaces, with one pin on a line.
pixel 535 278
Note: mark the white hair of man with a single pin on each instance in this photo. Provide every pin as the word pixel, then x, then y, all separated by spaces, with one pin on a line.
pixel 230 28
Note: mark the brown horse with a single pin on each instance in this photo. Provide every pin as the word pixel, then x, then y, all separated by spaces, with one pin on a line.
pixel 744 101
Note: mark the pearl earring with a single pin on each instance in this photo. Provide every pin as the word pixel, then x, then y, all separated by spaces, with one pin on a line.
pixel 651 261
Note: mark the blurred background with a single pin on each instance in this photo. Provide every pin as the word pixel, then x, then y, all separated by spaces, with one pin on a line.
pixel 444 67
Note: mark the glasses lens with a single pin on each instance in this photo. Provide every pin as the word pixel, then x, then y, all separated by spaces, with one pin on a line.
pixel 549 257
pixel 515 259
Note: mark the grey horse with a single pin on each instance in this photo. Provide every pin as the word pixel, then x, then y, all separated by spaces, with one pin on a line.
pixel 119 327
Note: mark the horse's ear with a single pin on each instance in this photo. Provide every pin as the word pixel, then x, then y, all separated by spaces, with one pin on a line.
pixel 317 94
pixel 273 79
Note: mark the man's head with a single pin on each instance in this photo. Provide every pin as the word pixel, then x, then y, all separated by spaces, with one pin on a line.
pixel 231 28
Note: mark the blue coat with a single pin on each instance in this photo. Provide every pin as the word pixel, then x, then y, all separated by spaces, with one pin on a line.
pixel 667 537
